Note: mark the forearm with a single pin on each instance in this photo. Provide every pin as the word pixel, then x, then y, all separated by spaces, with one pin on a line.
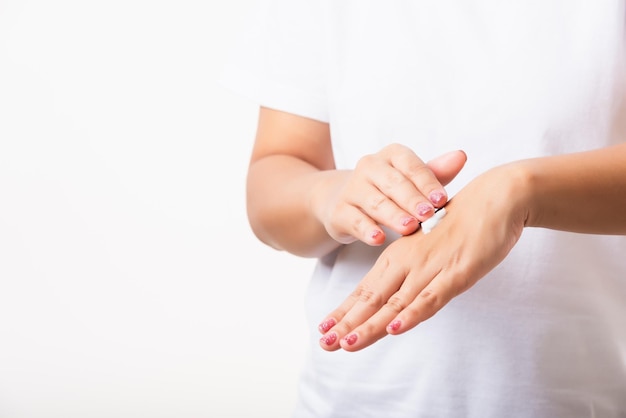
pixel 280 209
pixel 582 192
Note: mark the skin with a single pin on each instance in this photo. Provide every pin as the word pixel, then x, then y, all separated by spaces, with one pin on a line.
pixel 294 190
pixel 299 202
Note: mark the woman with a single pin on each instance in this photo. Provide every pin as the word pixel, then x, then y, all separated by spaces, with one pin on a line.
pixel 520 290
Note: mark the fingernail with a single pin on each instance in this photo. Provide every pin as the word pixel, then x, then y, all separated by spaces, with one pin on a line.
pixel 407 221
pixel 395 325
pixel 351 339
pixel 329 339
pixel 325 326
pixel 376 234
pixel 437 197
pixel 424 209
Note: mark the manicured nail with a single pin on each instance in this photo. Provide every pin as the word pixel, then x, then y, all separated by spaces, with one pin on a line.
pixel 408 221
pixel 351 339
pixel 438 197
pixel 424 209
pixel 329 339
pixel 325 326
pixel 395 325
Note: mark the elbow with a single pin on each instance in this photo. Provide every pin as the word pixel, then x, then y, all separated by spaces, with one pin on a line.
pixel 262 229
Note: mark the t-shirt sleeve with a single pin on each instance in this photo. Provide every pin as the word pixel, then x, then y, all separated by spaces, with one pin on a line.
pixel 280 59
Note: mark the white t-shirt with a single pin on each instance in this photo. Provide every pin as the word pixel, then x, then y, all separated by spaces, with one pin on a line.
pixel 542 335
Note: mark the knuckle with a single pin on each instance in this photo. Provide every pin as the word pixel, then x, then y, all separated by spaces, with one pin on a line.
pixel 370 298
pixel 361 227
pixel 430 299
pixel 337 220
pixel 384 261
pixel 460 272
pixel 365 161
pixel 346 325
pixel 369 329
pixel 393 178
pixel 396 304
pixel 377 201
pixel 419 169
pixel 394 148
pixel 345 224
pixel 357 225
pixel 412 312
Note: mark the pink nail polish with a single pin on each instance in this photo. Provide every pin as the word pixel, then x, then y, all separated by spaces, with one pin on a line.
pixel 395 325
pixel 325 326
pixel 424 209
pixel 351 339
pixel 407 221
pixel 329 339
pixel 437 197
pixel 376 234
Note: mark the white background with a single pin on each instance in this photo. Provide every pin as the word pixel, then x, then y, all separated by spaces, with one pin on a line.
pixel 130 283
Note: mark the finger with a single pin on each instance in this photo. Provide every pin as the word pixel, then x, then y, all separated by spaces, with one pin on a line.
pixel 403 192
pixel 377 209
pixel 420 175
pixel 350 224
pixel 362 214
pixel 367 333
pixel 376 327
pixel 359 306
pixel 429 301
pixel 373 292
pixel 413 187
pixel 447 166
pixel 380 204
pixel 397 199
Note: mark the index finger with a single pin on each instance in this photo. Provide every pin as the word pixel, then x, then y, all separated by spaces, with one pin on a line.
pixel 382 281
pixel 419 173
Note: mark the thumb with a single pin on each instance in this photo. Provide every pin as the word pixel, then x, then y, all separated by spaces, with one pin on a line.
pixel 447 166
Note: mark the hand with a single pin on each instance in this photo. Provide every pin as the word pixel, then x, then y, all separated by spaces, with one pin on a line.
pixel 417 275
pixel 392 188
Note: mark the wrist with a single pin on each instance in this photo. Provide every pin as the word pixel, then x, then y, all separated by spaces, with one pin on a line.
pixel 518 190
pixel 322 191
pixel 321 194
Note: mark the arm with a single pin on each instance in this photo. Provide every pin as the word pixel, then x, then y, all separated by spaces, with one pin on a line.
pixel 297 201
pixel 417 275
pixel 582 192
pixel 291 155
